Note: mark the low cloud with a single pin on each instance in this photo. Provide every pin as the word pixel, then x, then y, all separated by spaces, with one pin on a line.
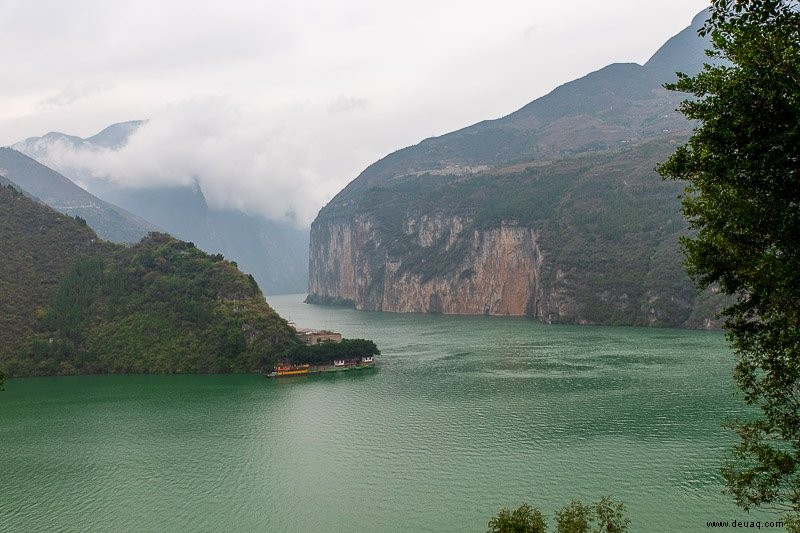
pixel 69 95
pixel 347 104
pixel 276 167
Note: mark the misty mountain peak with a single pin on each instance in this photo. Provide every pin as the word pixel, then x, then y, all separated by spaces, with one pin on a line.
pixel 116 135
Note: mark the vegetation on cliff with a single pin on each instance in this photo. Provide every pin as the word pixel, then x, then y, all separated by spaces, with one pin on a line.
pixel 74 304
pixel 605 223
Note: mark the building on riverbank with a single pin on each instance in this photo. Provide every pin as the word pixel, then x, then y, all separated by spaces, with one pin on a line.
pixel 316 336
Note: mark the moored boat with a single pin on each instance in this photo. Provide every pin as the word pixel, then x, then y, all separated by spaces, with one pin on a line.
pixel 289 370
pixel 339 365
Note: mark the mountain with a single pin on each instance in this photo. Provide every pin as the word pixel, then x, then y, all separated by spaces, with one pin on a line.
pixel 73 303
pixel 275 253
pixel 38 246
pixel 109 221
pixel 114 136
pixel 553 212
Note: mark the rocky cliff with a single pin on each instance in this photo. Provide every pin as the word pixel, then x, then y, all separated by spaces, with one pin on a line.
pixel 553 212
pixel 588 240
pixel 498 272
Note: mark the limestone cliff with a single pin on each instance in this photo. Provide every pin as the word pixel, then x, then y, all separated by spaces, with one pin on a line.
pixel 588 240
pixel 497 274
pixel 497 271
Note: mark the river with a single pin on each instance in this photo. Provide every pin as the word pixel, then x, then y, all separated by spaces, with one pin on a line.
pixel 463 416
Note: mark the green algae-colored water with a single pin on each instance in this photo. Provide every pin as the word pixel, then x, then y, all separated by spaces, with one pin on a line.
pixel 464 415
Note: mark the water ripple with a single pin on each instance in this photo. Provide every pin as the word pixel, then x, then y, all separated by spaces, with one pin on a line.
pixel 465 415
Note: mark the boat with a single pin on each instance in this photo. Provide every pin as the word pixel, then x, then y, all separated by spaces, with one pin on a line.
pixel 289 370
pixel 339 365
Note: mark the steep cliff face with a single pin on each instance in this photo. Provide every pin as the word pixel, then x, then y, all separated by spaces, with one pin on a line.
pixel 498 271
pixel 333 259
pixel 586 240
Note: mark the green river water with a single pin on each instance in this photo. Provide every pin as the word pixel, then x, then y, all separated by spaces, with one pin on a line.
pixel 463 416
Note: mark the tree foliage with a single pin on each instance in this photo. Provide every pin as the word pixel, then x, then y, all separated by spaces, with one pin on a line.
pixel 610 516
pixel 791 523
pixel 743 200
pixel 523 519
pixel 37 247
pixel 575 517
pixel 79 305
pixel 326 352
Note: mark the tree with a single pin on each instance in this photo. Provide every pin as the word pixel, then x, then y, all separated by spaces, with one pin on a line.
pixel 610 516
pixel 743 202
pixel 523 519
pixel 326 352
pixel 792 523
pixel 573 518
pixel 2 379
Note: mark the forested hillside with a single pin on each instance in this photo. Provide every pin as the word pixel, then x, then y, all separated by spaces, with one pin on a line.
pixel 37 246
pixel 72 303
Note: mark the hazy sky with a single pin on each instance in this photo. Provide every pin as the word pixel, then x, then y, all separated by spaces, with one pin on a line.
pixel 275 106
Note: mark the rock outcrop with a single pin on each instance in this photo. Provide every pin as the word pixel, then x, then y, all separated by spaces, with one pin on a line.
pixel 498 272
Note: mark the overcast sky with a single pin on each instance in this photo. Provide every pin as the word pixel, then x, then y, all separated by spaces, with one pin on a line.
pixel 275 106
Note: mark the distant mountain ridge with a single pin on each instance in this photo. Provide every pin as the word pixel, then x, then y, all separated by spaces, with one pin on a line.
pixel 553 211
pixel 114 136
pixel 109 221
pixel 275 253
